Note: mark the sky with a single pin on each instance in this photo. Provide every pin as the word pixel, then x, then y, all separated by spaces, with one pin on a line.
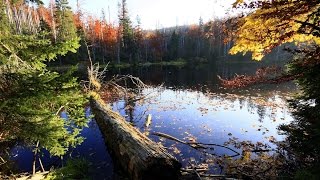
pixel 158 13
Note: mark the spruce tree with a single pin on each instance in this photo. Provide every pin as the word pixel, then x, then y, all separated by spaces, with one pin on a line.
pixel 128 44
pixel 64 18
pixel 32 97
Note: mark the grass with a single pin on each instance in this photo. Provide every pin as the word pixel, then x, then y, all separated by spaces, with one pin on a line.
pixel 74 169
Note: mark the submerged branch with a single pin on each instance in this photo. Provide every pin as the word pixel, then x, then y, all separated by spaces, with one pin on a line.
pixel 195 145
pixel 195 171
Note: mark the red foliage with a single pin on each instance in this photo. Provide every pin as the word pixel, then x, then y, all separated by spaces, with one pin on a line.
pixel 156 42
pixel 271 74
pixel 46 16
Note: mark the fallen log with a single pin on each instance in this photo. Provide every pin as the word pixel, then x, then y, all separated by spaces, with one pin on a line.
pixel 132 151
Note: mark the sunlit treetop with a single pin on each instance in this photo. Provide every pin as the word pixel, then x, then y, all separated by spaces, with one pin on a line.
pixel 276 22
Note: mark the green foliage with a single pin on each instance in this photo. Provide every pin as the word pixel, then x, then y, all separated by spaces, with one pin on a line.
pixel 64 19
pixel 74 169
pixel 32 98
pixel 34 101
pixel 128 43
pixel 4 25
pixel 33 50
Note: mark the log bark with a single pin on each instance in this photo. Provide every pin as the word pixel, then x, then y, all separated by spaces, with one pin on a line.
pixel 132 151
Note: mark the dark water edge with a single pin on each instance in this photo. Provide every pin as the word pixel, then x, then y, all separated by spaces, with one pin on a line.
pixel 93 150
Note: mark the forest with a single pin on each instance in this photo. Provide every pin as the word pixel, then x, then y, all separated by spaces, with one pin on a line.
pixel 83 97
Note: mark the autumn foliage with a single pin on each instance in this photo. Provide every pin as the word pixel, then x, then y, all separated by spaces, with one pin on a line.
pixel 272 74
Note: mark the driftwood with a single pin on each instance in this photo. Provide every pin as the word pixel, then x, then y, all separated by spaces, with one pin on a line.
pixel 132 151
pixel 196 145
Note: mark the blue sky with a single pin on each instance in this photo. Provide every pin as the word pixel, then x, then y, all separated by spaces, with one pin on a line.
pixel 159 13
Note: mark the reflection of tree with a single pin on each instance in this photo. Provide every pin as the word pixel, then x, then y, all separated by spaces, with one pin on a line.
pixel 130 104
pixel 250 105
pixel 242 102
pixel 261 111
pixel 303 134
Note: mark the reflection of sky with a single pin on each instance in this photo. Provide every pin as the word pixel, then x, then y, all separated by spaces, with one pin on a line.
pixel 211 118
pixel 208 117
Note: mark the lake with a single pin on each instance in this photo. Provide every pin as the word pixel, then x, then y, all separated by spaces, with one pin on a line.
pixel 188 103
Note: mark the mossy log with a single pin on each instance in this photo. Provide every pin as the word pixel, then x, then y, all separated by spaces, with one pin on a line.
pixel 132 151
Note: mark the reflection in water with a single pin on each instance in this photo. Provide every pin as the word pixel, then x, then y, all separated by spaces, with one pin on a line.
pixel 188 77
pixel 192 107
pixel 208 117
pixel 301 145
pixel 92 150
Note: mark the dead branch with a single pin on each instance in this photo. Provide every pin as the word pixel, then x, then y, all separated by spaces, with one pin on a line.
pixel 195 145
pixel 3 161
pixel 195 170
pixel 117 86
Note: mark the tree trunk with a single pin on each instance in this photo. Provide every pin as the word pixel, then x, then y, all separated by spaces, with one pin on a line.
pixel 118 52
pixel 35 158
pixel 132 151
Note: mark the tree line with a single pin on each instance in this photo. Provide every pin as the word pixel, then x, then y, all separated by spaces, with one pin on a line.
pixel 131 44
pixel 125 42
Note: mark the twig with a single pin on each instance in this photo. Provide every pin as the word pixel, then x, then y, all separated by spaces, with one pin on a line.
pixel 89 54
pixel 168 137
pixel 41 165
pixel 60 109
pixel 35 158
pixel 3 161
pixel 36 150
pixel 195 171
pixel 194 145
pixel 213 175
pixel 262 150
pixel 189 170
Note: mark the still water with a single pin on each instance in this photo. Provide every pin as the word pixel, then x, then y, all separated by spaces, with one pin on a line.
pixel 189 104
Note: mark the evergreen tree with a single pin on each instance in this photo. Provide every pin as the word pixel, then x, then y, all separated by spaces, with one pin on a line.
pixel 64 18
pixel 4 23
pixel 174 46
pixel 138 38
pixel 66 30
pixel 127 42
pixel 32 98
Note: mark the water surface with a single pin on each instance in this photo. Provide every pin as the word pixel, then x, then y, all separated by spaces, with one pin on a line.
pixel 189 104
